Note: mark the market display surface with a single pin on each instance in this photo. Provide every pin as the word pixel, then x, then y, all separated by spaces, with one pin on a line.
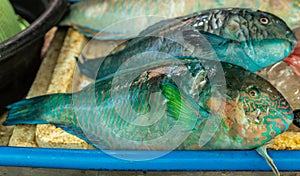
pixel 240 125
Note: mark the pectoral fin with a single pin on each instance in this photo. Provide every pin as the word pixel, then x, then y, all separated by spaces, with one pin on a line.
pixel 214 40
pixel 89 67
pixel 180 105
pixel 262 150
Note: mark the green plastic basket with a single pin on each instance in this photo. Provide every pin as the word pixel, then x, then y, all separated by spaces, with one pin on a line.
pixel 9 24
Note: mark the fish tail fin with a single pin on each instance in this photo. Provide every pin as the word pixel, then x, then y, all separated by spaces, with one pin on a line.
pixel 32 111
pixel 89 67
pixel 47 109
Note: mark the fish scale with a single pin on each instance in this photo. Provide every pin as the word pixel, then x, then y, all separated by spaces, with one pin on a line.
pixel 101 113
pixel 241 40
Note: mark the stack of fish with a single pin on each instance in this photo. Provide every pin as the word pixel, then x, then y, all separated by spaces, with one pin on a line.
pixel 179 85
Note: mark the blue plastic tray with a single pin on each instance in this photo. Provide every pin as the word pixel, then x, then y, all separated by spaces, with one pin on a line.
pixel 173 161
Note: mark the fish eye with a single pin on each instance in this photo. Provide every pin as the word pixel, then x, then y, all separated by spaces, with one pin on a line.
pixel 264 20
pixel 253 92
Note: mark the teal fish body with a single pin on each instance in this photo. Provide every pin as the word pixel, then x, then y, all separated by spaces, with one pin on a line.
pixel 172 106
pixel 122 19
pixel 249 38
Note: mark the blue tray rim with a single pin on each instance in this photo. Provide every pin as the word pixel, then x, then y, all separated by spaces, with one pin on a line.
pixel 238 160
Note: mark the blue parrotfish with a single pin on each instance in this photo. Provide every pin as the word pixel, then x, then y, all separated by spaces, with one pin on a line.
pixel 252 39
pixel 112 19
pixel 190 104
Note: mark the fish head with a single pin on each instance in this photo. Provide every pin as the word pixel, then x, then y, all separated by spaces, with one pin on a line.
pixel 250 24
pixel 254 110
pixel 260 37
pixel 265 38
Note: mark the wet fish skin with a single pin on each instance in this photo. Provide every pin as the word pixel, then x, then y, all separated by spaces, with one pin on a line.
pixel 96 16
pixel 167 107
pixel 258 31
pixel 254 111
pixel 233 35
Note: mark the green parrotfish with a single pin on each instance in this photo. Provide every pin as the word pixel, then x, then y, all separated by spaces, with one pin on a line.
pixel 190 104
pixel 252 39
